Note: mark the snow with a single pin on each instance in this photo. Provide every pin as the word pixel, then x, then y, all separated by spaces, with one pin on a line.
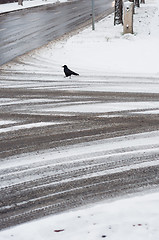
pixel 5 122
pixel 105 51
pixel 103 107
pixel 8 7
pixel 132 218
pixel 115 150
pixel 130 144
pixel 27 126
pixel 127 63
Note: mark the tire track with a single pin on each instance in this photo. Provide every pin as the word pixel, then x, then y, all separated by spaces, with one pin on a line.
pixel 103 187
pixel 22 197
pixel 74 169
pixel 92 155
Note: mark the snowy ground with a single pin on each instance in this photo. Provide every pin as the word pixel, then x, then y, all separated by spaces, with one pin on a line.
pixel 94 54
pixel 8 7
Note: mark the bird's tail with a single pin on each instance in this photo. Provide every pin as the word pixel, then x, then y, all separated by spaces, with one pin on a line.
pixel 74 73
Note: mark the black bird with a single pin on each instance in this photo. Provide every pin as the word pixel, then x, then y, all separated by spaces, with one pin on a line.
pixel 68 72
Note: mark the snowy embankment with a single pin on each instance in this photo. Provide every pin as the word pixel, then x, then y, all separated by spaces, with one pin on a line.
pixel 104 52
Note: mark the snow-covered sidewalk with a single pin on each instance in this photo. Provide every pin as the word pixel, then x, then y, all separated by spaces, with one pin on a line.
pixel 8 7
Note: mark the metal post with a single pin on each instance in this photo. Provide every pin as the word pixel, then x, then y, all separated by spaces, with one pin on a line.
pixel 20 2
pixel 93 26
pixel 128 17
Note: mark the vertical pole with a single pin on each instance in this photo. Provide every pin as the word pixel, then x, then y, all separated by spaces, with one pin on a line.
pixel 20 2
pixel 93 26
pixel 128 17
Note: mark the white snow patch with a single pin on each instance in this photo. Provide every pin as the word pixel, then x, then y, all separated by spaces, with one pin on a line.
pixel 6 122
pixel 28 126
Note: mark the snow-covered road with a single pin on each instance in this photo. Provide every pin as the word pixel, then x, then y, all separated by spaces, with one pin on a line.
pixel 68 142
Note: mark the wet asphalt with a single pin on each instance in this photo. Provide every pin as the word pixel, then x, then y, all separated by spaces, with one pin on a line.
pixel 25 30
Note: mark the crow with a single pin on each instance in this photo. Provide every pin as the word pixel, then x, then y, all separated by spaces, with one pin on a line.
pixel 68 72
